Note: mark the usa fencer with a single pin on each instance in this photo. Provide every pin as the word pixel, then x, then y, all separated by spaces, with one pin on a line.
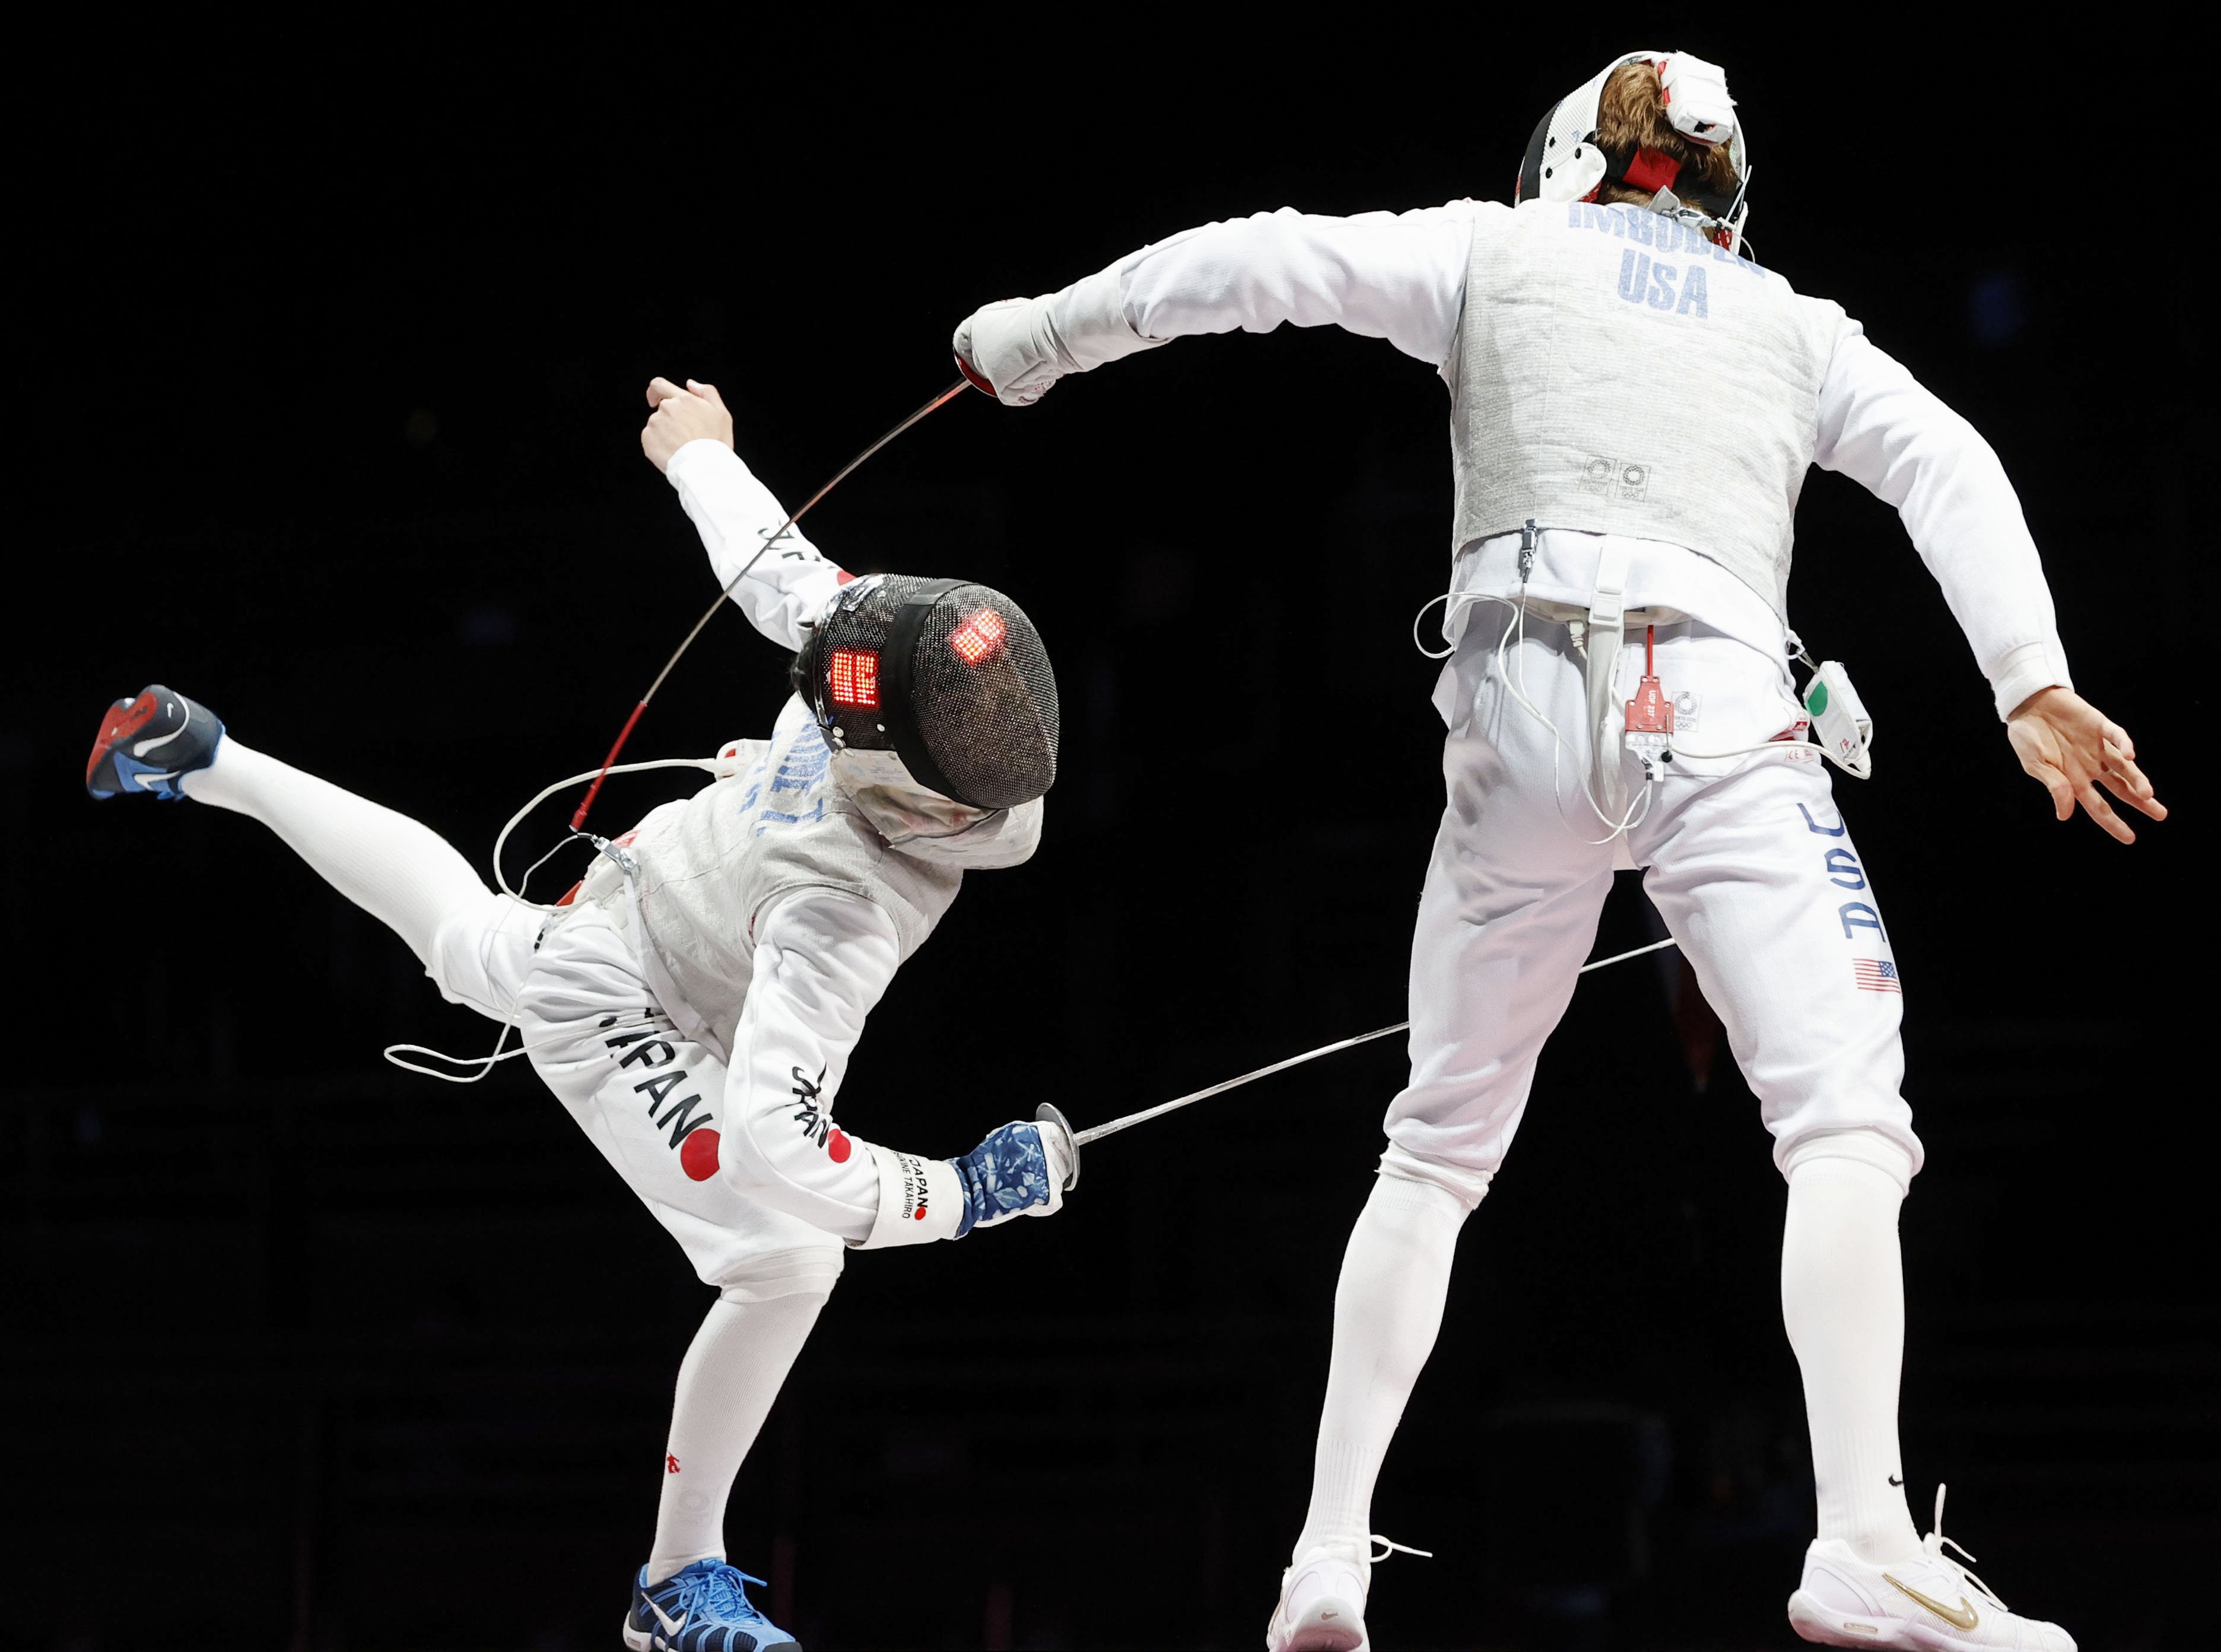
pixel 1635 402
pixel 694 1001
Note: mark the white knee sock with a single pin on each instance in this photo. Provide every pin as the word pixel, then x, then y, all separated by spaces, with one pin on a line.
pixel 1387 1309
pixel 732 1372
pixel 1843 1298
pixel 402 872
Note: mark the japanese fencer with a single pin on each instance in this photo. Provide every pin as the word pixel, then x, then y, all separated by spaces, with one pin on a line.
pixel 694 1002
pixel 1634 405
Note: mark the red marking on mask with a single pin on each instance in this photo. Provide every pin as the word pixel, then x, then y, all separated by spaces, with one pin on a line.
pixel 670 1463
pixel 697 1155
pixel 837 1147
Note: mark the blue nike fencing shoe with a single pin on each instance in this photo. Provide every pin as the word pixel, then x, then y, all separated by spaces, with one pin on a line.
pixel 704 1608
pixel 150 743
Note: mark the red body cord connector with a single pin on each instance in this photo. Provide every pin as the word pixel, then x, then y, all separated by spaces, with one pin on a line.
pixel 1650 714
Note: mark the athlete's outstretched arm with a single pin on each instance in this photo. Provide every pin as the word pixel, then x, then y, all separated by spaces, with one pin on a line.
pixel 1884 429
pixel 689 437
pixel 1400 277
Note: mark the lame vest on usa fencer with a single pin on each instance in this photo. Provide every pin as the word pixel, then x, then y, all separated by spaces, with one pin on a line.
pixel 1615 373
pixel 707 865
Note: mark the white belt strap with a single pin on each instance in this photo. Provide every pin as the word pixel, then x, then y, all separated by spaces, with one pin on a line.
pixel 1607 623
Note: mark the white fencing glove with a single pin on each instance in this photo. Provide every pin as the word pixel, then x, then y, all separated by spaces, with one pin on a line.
pixel 1022 346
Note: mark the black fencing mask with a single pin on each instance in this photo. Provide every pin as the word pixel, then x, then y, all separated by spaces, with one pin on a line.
pixel 950 677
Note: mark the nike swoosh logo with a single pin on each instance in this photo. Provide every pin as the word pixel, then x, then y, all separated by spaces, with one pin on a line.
pixel 1961 1617
pixel 145 745
pixel 673 1626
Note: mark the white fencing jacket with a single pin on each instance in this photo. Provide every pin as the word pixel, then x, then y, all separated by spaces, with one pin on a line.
pixel 773 906
pixel 1405 277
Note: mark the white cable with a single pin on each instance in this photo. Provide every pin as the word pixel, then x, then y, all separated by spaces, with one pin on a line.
pixel 1453 599
pixel 1638 810
pixel 484 1064
pixel 1776 745
pixel 1745 751
pixel 546 792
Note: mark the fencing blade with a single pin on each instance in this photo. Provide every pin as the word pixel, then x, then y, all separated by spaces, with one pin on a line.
pixel 1097 1132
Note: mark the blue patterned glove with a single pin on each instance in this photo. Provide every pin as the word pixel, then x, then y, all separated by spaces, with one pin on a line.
pixel 1013 1172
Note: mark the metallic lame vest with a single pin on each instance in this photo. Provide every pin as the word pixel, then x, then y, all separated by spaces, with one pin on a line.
pixel 708 865
pixel 1615 373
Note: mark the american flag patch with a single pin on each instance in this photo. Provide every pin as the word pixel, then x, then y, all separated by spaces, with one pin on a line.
pixel 1874 975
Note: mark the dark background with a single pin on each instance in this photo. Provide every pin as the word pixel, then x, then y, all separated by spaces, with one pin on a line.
pixel 329 356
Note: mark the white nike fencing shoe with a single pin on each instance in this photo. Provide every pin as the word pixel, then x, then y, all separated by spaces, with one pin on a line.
pixel 1930 1604
pixel 1322 1606
pixel 1323 1600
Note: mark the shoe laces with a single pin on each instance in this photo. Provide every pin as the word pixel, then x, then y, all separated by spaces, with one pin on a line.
pixel 1934 1544
pixel 1388 1548
pixel 719 1593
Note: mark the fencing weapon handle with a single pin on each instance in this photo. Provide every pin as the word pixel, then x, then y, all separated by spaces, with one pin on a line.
pixel 1051 1116
pixel 578 820
pixel 1082 1138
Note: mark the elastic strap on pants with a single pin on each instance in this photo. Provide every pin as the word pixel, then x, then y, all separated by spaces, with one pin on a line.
pixel 1607 623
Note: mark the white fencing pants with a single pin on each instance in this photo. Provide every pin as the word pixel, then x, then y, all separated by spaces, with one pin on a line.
pixel 1757 878
pixel 587 1014
pixel 1746 859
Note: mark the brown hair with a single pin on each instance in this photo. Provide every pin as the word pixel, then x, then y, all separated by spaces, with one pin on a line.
pixel 1631 116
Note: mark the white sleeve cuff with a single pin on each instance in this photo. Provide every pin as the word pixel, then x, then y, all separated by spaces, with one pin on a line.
pixel 919 1200
pixel 696 454
pixel 1087 321
pixel 2026 670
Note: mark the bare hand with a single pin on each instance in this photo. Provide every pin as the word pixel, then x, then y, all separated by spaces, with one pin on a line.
pixel 680 416
pixel 2073 748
